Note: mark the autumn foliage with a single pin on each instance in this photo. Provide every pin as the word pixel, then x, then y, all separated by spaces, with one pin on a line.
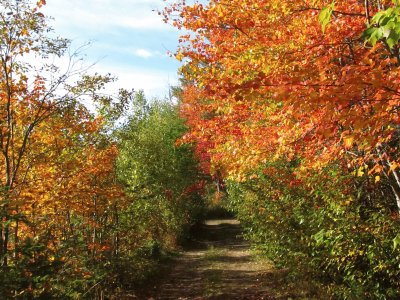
pixel 263 69
pixel 70 227
pixel 293 97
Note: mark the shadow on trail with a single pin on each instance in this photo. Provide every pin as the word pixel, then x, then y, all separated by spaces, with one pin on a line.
pixel 217 264
pixel 214 233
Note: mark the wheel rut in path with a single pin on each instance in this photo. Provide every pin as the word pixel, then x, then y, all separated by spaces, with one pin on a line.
pixel 218 264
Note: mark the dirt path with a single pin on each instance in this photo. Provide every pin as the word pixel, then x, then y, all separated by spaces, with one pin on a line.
pixel 218 265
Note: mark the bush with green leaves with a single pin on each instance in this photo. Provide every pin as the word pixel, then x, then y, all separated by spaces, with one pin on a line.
pixel 160 177
pixel 331 230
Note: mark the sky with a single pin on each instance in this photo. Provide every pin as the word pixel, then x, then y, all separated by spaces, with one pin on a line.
pixel 128 39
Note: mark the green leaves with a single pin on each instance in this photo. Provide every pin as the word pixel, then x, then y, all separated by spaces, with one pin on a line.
pixel 396 241
pixel 385 25
pixel 325 15
pixel 159 177
pixel 319 237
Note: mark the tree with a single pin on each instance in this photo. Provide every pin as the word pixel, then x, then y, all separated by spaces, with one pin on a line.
pixel 161 178
pixel 50 143
pixel 296 104
pixel 24 104
pixel 267 69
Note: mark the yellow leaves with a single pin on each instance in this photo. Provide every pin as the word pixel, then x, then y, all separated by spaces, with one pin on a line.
pixel 348 201
pixel 219 11
pixel 179 56
pixel 393 166
pixel 376 169
pixel 348 138
pixel 363 169
pixel 24 32
pixel 348 141
pixel 360 171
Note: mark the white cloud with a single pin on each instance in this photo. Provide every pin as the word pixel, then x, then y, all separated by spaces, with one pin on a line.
pixel 144 53
pixel 106 14
pixel 119 28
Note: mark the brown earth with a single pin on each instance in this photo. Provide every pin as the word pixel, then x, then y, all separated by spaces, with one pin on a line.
pixel 218 264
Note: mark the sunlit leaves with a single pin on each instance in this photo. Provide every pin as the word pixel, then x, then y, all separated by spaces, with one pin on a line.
pixel 305 127
pixel 161 178
pixel 385 25
pixel 305 93
pixel 57 179
pixel 396 241
pixel 325 15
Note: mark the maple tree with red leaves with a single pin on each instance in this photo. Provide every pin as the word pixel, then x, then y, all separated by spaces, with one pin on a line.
pixel 296 104
pixel 268 80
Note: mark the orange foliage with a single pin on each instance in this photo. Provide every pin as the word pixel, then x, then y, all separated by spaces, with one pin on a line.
pixel 53 165
pixel 264 82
